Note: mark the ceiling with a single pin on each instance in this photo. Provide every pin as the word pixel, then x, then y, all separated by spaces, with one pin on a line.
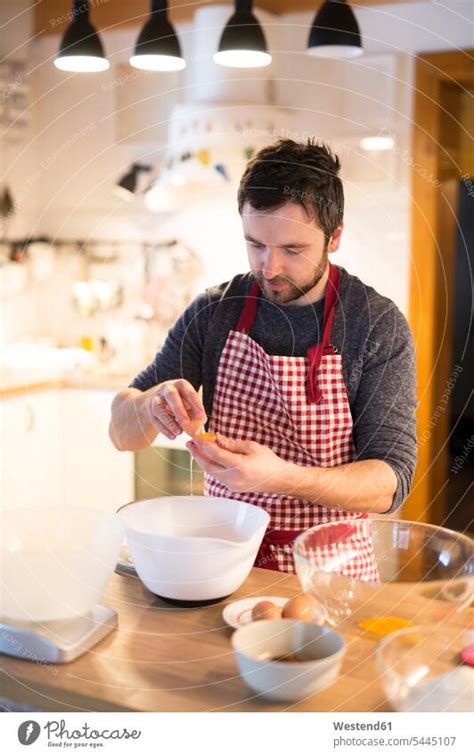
pixel 51 16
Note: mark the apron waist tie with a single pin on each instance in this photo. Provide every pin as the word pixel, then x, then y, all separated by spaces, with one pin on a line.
pixel 266 557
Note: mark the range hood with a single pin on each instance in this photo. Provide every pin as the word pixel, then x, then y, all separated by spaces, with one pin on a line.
pixel 214 133
pixel 208 147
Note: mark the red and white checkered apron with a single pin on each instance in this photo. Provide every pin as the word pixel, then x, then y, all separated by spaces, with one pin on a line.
pixel 299 408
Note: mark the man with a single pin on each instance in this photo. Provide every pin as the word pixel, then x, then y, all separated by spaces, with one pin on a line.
pixel 308 375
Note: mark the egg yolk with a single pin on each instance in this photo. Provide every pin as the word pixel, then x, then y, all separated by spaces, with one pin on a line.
pixel 207 436
pixel 384 625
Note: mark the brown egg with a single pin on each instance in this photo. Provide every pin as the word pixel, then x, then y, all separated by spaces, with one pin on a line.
pixel 266 610
pixel 299 608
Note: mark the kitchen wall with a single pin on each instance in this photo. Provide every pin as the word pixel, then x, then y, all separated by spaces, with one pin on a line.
pixel 84 132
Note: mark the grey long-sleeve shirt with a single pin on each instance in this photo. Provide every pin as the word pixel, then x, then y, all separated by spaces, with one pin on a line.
pixel 369 332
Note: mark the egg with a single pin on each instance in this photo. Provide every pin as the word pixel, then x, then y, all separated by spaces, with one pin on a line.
pixel 266 610
pixel 207 436
pixel 192 427
pixel 299 608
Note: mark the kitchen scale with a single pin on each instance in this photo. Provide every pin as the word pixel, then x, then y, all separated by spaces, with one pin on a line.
pixel 124 564
pixel 60 641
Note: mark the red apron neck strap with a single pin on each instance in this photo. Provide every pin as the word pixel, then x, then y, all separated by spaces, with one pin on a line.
pixel 315 352
pixel 249 310
pixel 332 294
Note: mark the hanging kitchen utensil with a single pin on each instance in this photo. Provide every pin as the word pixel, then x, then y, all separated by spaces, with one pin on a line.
pixel 7 205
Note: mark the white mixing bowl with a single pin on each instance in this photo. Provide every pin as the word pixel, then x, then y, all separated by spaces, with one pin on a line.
pixel 55 563
pixel 196 549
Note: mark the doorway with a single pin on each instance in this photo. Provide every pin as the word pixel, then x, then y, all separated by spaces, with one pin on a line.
pixel 440 303
pixel 459 494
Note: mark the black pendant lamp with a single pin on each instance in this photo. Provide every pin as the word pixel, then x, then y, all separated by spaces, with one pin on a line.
pixel 335 32
pixel 243 44
pixel 81 49
pixel 157 47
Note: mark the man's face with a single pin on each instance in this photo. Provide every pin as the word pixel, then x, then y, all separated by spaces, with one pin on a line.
pixel 287 252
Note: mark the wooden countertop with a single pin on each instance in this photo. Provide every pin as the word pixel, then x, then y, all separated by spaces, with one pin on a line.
pixel 84 380
pixel 167 659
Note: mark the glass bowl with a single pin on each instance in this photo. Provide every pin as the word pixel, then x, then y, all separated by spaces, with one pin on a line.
pixel 376 567
pixel 421 670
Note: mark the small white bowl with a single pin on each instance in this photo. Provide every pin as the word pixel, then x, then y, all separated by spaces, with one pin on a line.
pixel 255 646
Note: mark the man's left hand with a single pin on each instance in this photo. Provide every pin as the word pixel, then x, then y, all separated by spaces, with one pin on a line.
pixel 241 466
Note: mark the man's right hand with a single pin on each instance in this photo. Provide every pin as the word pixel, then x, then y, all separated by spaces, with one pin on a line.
pixel 175 406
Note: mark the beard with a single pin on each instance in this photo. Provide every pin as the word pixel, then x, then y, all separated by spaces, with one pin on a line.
pixel 291 291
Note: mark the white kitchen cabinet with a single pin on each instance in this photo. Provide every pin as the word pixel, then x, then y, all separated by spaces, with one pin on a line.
pixel 94 473
pixel 30 458
pixel 55 451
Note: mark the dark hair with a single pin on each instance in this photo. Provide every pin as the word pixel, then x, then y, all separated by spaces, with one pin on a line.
pixel 288 171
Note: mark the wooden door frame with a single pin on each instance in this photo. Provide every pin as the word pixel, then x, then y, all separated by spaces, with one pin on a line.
pixel 431 280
